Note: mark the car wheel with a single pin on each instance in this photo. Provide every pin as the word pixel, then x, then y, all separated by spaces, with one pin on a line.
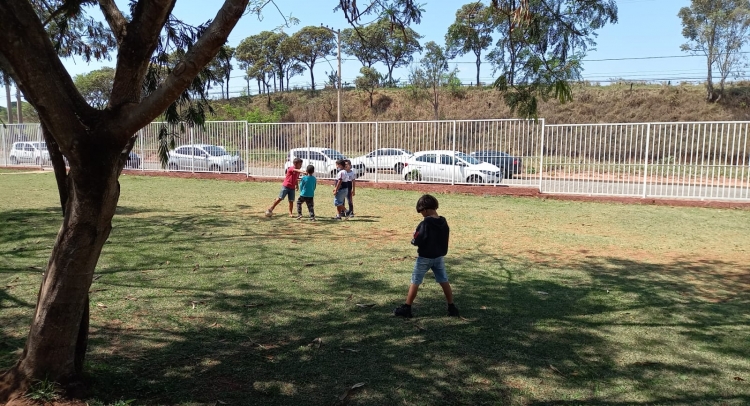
pixel 13 160
pixel 399 168
pixel 173 167
pixel 474 179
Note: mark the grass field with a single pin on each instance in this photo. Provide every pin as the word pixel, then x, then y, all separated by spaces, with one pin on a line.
pixel 199 299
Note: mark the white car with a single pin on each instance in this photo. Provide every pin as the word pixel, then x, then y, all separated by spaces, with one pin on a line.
pixel 29 152
pixel 323 159
pixel 384 159
pixel 450 166
pixel 204 157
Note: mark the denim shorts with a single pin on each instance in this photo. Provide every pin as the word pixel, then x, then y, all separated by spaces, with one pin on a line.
pixel 286 192
pixel 425 264
pixel 340 197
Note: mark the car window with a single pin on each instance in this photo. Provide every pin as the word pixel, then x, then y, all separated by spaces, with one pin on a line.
pixel 333 154
pixel 446 160
pixel 28 147
pixel 317 156
pixel 393 152
pixel 429 158
pixel 215 150
pixel 469 159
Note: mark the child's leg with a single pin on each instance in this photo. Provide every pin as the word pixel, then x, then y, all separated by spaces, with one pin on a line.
pixel 351 202
pixel 291 208
pixel 447 291
pixel 299 205
pixel 413 289
pixel 275 203
pixel 310 207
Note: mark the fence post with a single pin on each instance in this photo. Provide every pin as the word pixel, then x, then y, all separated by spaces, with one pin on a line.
pixel 376 152
pixel 192 155
pixel 247 150
pixel 541 154
pixel 39 140
pixel 645 160
pixel 453 153
pixel 143 156
pixel 5 147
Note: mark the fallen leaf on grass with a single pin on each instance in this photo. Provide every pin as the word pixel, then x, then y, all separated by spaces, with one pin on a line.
pixel 310 264
pixel 130 297
pixel 348 349
pixel 39 268
pixel 343 399
pixel 483 307
pixel 542 292
pixel 253 305
pixel 369 305
pixel 219 402
pixel 316 343
pixel 101 305
pixel 738 379
pixel 552 367
pixel 361 263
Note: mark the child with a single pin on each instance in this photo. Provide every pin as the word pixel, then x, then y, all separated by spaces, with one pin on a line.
pixel 307 192
pixel 291 183
pixel 340 191
pixel 431 239
pixel 351 176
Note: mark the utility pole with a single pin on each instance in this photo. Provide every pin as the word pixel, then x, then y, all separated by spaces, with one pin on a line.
pixel 338 86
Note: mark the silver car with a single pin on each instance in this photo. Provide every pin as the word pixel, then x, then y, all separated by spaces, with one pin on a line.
pixel 29 152
pixel 204 157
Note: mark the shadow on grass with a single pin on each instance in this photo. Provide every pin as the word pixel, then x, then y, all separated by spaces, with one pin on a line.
pixel 524 339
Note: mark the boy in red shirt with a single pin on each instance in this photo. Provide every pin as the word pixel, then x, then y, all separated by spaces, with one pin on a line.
pixel 291 183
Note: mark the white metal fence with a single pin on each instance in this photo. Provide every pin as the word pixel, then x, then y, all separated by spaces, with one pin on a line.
pixel 709 160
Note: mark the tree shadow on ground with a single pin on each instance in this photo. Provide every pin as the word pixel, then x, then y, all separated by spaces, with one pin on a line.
pixel 532 331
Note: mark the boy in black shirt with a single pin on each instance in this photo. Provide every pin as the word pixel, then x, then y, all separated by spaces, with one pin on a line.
pixel 431 239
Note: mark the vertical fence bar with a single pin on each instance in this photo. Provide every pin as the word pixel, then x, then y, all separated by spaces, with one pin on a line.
pixel 453 155
pixel 645 161
pixel 376 149
pixel 541 156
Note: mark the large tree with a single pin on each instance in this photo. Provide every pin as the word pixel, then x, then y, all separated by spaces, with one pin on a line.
pixel 355 42
pixel 718 30
pixel 96 86
pixel 394 46
pixel 310 44
pixel 432 74
pixel 540 46
pixel 95 143
pixel 471 32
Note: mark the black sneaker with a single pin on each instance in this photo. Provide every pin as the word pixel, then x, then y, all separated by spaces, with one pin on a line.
pixel 403 311
pixel 312 219
pixel 337 218
pixel 299 217
pixel 452 310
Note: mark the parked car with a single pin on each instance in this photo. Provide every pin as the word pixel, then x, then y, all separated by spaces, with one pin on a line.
pixel 384 159
pixel 510 165
pixel 134 161
pixel 450 166
pixel 29 152
pixel 323 159
pixel 204 157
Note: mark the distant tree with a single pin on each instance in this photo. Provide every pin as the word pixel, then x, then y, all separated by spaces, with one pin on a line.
pixel 394 46
pixel 355 42
pixel 471 32
pixel 254 53
pixel 6 79
pixel 717 29
pixel 292 71
pixel 96 86
pixel 221 68
pixel 368 81
pixel 310 44
pixel 432 74
pixel 540 46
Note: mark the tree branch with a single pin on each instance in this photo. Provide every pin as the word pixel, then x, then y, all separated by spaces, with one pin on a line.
pixel 26 48
pixel 199 55
pixel 115 19
pixel 136 48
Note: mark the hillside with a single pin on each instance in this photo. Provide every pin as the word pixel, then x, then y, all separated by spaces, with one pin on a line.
pixel 592 104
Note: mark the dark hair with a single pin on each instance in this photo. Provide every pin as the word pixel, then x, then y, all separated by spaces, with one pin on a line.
pixel 346 161
pixel 340 162
pixel 427 202
pixel 297 161
pixel 310 169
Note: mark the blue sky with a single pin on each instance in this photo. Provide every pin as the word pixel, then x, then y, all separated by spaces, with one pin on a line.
pixel 643 45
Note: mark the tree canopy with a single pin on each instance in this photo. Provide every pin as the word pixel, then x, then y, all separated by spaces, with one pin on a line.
pixel 471 32
pixel 96 86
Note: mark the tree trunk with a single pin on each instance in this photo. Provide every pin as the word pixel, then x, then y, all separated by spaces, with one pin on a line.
pixel 19 105
pixel 57 342
pixel 8 100
pixel 479 62
pixel 710 83
pixel 312 78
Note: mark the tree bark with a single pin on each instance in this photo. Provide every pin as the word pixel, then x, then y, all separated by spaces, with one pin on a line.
pixel 58 338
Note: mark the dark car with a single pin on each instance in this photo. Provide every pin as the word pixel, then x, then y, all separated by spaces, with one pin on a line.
pixel 510 165
pixel 134 161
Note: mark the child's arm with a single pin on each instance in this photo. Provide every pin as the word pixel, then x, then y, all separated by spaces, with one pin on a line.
pixel 353 182
pixel 420 235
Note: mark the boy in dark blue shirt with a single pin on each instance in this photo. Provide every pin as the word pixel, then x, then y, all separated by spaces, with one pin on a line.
pixel 431 239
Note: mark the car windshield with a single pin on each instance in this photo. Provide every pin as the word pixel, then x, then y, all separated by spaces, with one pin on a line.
pixel 215 150
pixel 468 159
pixel 333 154
pixel 407 152
pixel 38 145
